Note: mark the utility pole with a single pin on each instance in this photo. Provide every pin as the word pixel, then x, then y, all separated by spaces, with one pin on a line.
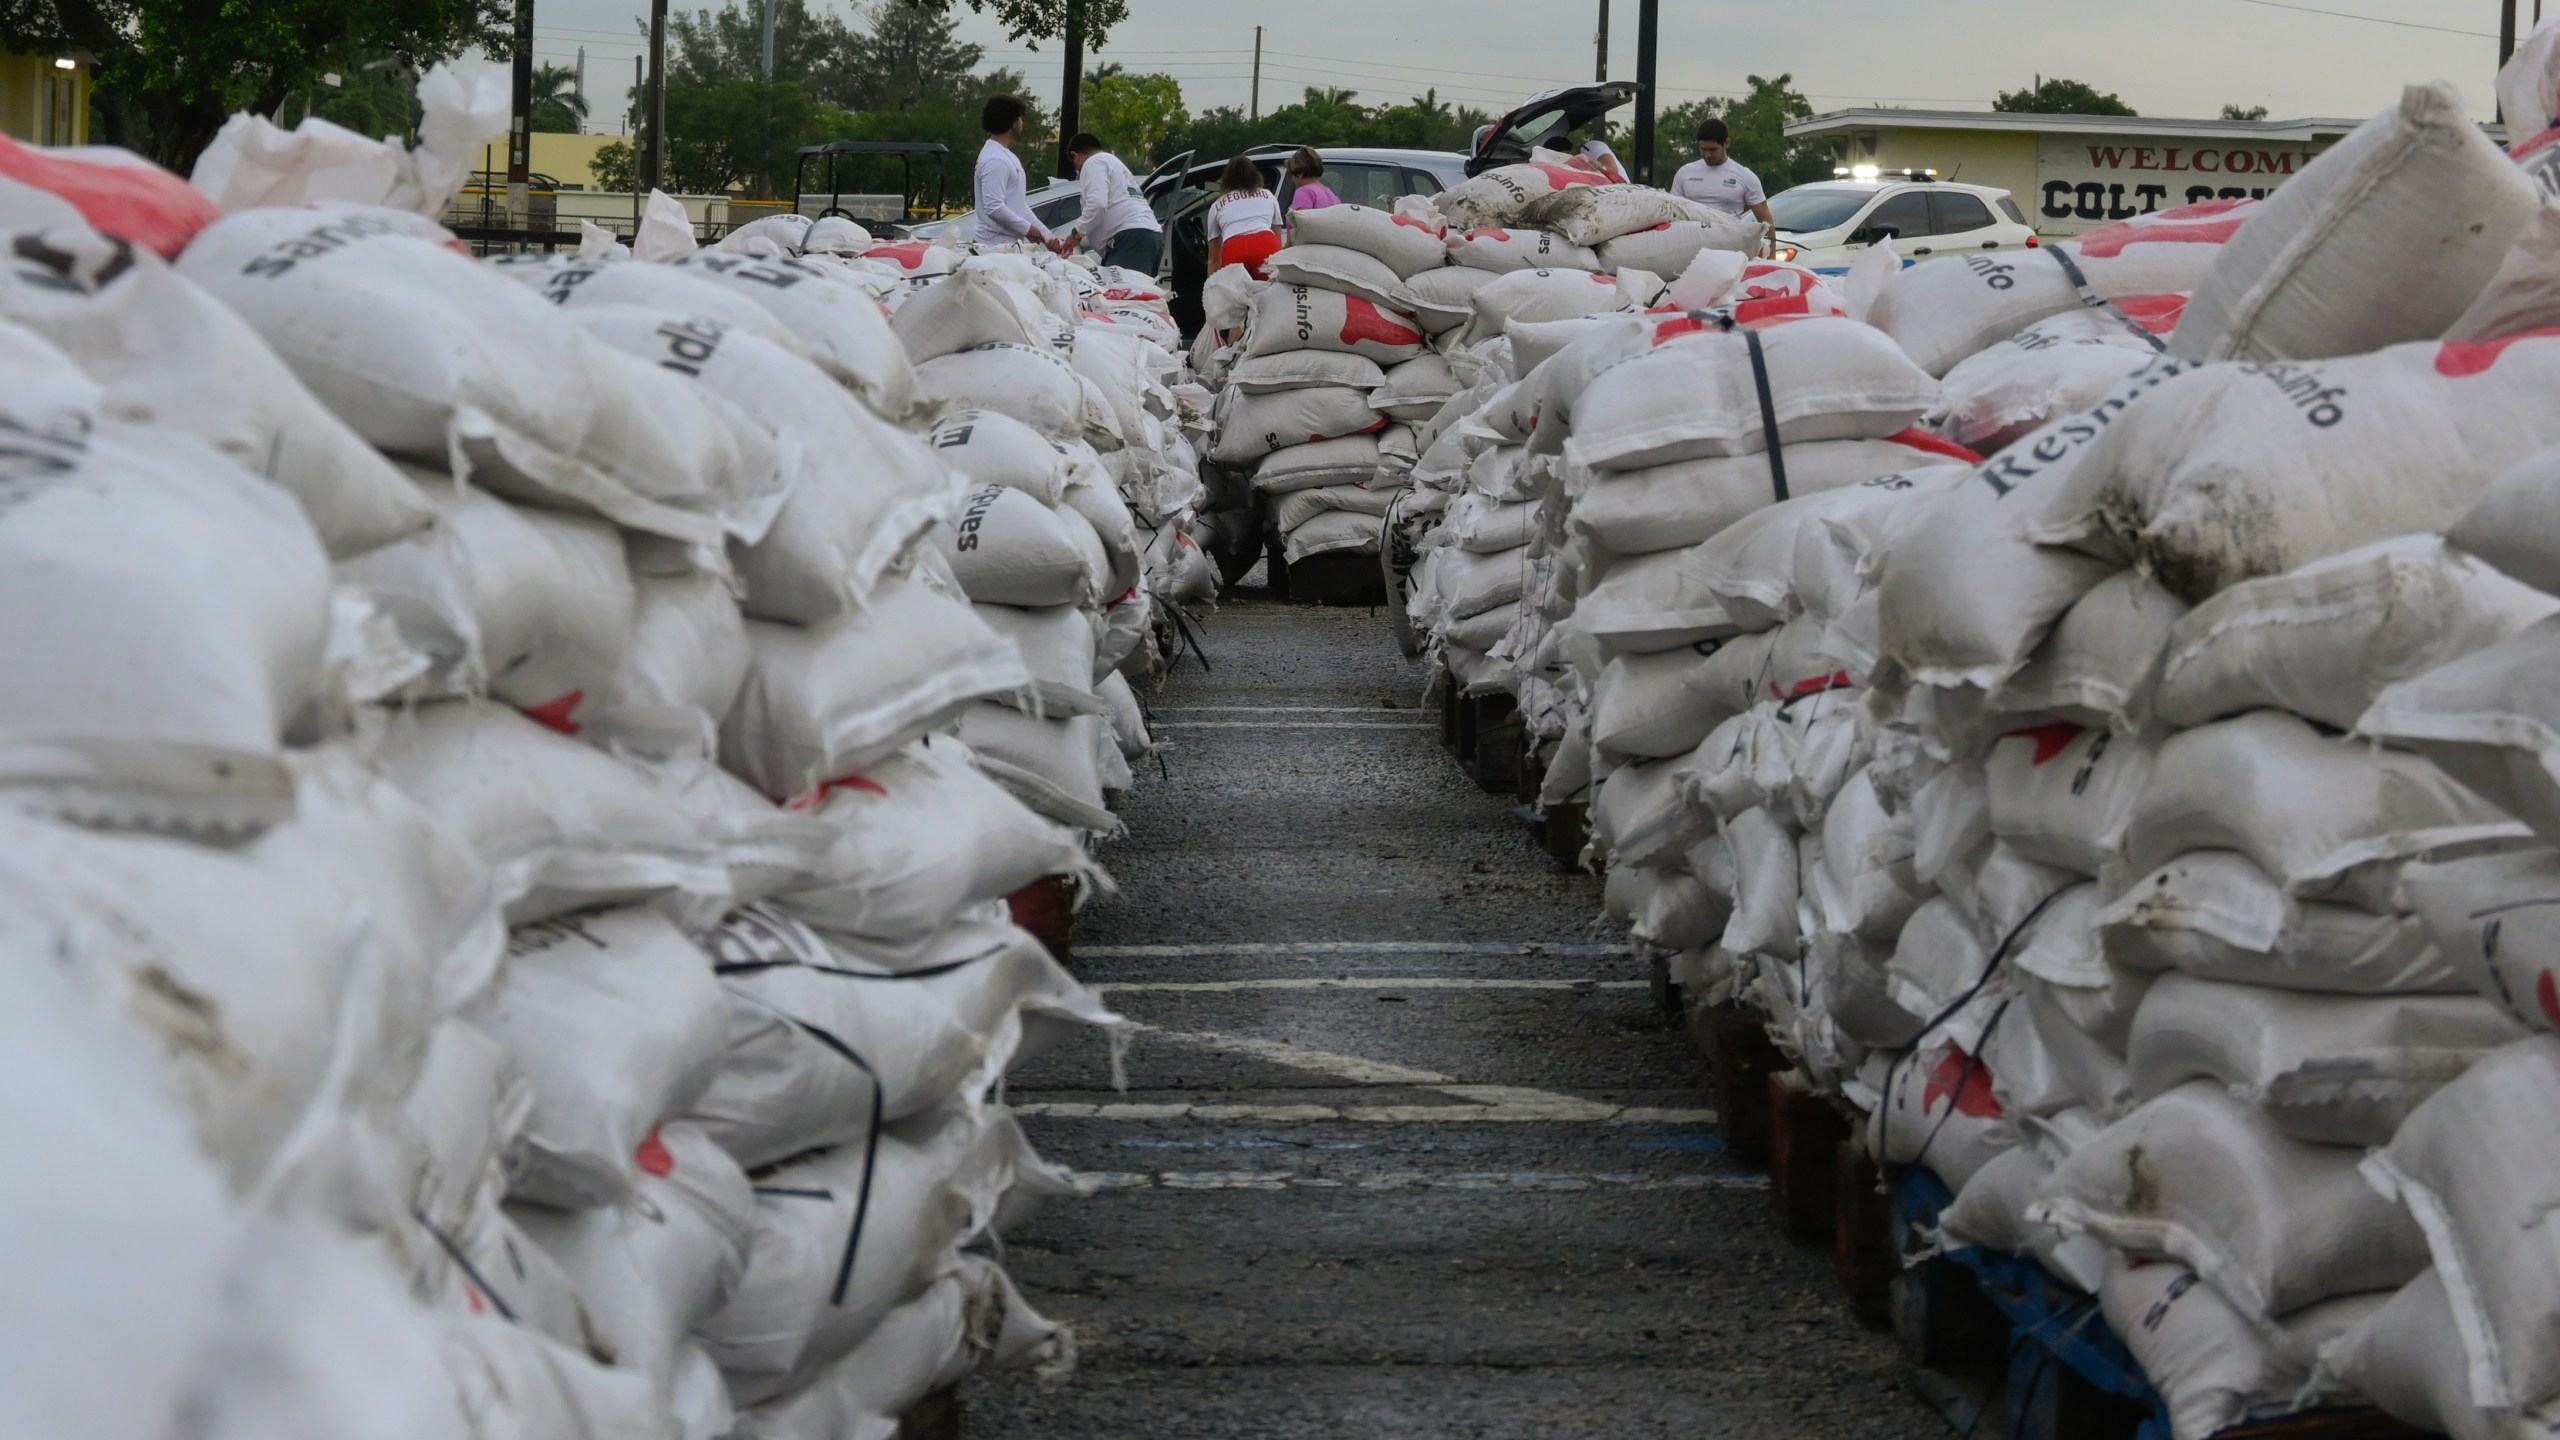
pixel 520 125
pixel 1648 39
pixel 653 105
pixel 1600 66
pixel 2507 42
pixel 639 136
pixel 768 39
pixel 1256 112
pixel 764 167
pixel 582 85
pixel 1071 103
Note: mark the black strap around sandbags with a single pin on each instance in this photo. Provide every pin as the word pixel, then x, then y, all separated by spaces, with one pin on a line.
pixel 2089 297
pixel 1768 413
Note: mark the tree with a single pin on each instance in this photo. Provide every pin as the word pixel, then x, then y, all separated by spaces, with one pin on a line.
pixel 1758 119
pixel 1037 20
pixel 728 44
pixel 911 57
pixel 167 73
pixel 2236 112
pixel 616 166
pixel 558 108
pixel 2061 97
pixel 727 133
pixel 1133 114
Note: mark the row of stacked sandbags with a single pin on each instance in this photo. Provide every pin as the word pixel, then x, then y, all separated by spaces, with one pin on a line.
pixel 513 773
pixel 1358 341
pixel 2018 797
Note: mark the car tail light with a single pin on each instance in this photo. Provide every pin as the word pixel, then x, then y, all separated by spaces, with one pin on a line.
pixel 1786 252
pixel 2031 242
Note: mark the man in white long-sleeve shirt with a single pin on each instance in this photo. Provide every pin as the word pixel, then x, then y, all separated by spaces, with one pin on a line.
pixel 1117 224
pixel 1004 206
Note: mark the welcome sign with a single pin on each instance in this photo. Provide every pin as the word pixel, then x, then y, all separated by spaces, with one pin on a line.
pixel 2083 180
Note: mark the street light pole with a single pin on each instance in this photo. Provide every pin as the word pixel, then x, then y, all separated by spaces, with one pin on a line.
pixel 1648 39
pixel 1071 104
pixel 520 124
pixel 1600 63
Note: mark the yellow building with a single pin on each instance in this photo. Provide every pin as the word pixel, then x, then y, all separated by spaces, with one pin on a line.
pixel 44 99
pixel 568 159
pixel 2069 172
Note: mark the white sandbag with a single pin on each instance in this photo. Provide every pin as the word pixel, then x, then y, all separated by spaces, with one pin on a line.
pixel 433 357
pixel 1292 508
pixel 1535 296
pixel 1596 214
pixel 1672 246
pixel 1868 888
pixel 1300 317
pixel 1031 383
pixel 2324 640
pixel 1007 548
pixel 2271 1224
pixel 840 526
pixel 2101 664
pixel 941 1034
pixel 922 835
pixel 655 1264
pixel 1669 507
pixel 835 320
pixel 2328 1069
pixel 975 305
pixel 1828 380
pixel 254 162
pixel 1442 300
pixel 1498 196
pixel 1768 883
pixel 559 824
pixel 164 352
pixel 2327 818
pixel 1664 703
pixel 1335 268
pixel 989 447
pixel 616 1022
pixel 2058 366
pixel 2487 719
pixel 1405 246
pixel 2477 1179
pixel 137 1220
pixel 682 671
pixel 2513 525
pixel 2490 918
pixel 673 295
pixel 1299 369
pixel 1049 764
pixel 829 701
pixel 2407 1359
pixel 2216 915
pixel 1330 531
pixel 1942 310
pixel 1936 1109
pixel 1803 555
pixel 2212 1368
pixel 1991 1212
pixel 815 1285
pixel 2061 794
pixel 1252 426
pixel 534 607
pixel 1639 817
pixel 165 615
pixel 2313 274
pixel 518 1383
pixel 970 1320
pixel 2230 472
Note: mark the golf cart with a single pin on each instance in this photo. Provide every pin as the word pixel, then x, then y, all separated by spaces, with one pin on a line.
pixel 1544 119
pixel 846 177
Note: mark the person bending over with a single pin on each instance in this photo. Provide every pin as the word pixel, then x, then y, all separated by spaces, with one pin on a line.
pixel 1004 206
pixel 1244 221
pixel 1117 223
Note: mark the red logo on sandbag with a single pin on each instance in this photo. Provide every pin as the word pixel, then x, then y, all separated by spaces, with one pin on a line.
pixel 1923 440
pixel 2211 223
pixel 1415 224
pixel 1967 1080
pixel 654 1157
pixel 1567 176
pixel 1363 320
pixel 1812 685
pixel 908 255
pixel 2547 993
pixel 1486 234
pixel 556 713
pixel 818 797
pixel 2460 359
pixel 2051 740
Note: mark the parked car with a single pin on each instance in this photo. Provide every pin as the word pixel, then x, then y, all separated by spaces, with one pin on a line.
pixel 1543 119
pixel 1057 203
pixel 1826 224
pixel 1182 191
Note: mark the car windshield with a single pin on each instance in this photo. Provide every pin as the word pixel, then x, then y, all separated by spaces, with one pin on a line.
pixel 1809 208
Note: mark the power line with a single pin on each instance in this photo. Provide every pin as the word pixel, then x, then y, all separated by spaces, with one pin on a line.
pixel 2369 19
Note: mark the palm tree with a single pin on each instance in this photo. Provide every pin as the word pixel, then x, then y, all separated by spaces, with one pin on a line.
pixel 557 106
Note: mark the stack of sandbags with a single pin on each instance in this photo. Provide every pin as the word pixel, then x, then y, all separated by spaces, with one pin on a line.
pixel 539 804
pixel 1295 413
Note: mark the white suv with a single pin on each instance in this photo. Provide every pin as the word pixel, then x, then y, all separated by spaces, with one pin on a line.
pixel 1824 226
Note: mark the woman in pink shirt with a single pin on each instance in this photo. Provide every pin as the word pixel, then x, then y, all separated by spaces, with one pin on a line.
pixel 1306 171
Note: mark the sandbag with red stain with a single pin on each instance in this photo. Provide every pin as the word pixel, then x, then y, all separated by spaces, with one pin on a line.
pixel 114 190
pixel 1300 317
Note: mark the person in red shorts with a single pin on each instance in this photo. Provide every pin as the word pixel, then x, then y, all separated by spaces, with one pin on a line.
pixel 1244 221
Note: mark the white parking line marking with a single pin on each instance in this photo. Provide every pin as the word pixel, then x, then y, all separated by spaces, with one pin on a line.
pixel 1559 1110
pixel 1483 1103
pixel 1361 982
pixel 1100 1180
pixel 1561 949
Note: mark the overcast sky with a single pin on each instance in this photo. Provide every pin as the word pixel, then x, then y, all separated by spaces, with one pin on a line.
pixel 2165 57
